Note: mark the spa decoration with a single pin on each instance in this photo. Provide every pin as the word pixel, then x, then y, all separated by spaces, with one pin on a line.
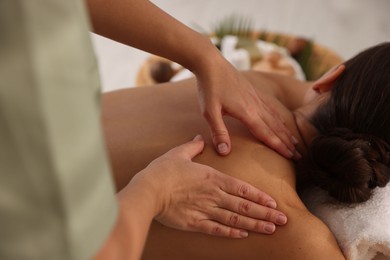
pixel 247 48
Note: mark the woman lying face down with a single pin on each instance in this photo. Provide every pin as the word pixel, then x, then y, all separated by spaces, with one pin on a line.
pixel 350 154
pixel 347 105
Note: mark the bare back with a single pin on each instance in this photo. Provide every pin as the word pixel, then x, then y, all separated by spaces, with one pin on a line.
pixel 143 123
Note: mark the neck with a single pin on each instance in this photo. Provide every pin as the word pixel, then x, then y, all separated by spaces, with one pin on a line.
pixel 305 128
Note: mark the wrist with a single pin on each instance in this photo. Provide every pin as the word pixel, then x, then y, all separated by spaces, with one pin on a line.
pixel 204 55
pixel 137 208
pixel 142 189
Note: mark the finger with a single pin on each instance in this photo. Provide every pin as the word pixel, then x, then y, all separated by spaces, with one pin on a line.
pixel 269 128
pixel 234 220
pixel 226 223
pixel 246 200
pixel 219 132
pixel 280 130
pixel 273 120
pixel 244 190
pixel 192 148
pixel 249 211
pixel 265 134
pixel 275 143
pixel 214 228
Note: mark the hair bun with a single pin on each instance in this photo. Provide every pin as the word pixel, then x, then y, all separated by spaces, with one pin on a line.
pixel 348 165
pixel 379 158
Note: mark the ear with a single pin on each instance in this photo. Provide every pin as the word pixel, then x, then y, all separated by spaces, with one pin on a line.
pixel 325 83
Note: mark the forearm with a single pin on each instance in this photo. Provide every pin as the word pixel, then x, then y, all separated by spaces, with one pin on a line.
pixel 137 210
pixel 141 24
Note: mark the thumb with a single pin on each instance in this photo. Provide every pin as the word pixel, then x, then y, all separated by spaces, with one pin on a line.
pixel 193 148
pixel 219 133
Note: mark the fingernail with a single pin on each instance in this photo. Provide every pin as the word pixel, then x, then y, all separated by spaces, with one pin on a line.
pixel 294 140
pixel 243 233
pixel 198 138
pixel 281 219
pixel 222 148
pixel 298 155
pixel 290 154
pixel 269 228
pixel 271 204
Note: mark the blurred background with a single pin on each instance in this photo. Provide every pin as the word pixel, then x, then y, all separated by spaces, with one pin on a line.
pixel 345 26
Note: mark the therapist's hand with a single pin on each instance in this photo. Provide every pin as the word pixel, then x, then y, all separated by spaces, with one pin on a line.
pixel 222 89
pixel 195 197
pixel 225 91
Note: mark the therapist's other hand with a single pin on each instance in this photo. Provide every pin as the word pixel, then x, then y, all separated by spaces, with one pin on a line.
pixel 225 91
pixel 195 197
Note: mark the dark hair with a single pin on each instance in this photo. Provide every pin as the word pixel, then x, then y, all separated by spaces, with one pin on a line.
pixel 351 154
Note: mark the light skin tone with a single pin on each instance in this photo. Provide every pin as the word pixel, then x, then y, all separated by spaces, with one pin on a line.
pixel 314 96
pixel 161 191
pixel 141 24
pixel 172 115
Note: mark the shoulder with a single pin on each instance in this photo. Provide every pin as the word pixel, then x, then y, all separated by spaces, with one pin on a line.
pixel 286 89
pixel 311 237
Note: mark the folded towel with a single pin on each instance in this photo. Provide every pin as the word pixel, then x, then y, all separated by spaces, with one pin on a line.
pixel 362 230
